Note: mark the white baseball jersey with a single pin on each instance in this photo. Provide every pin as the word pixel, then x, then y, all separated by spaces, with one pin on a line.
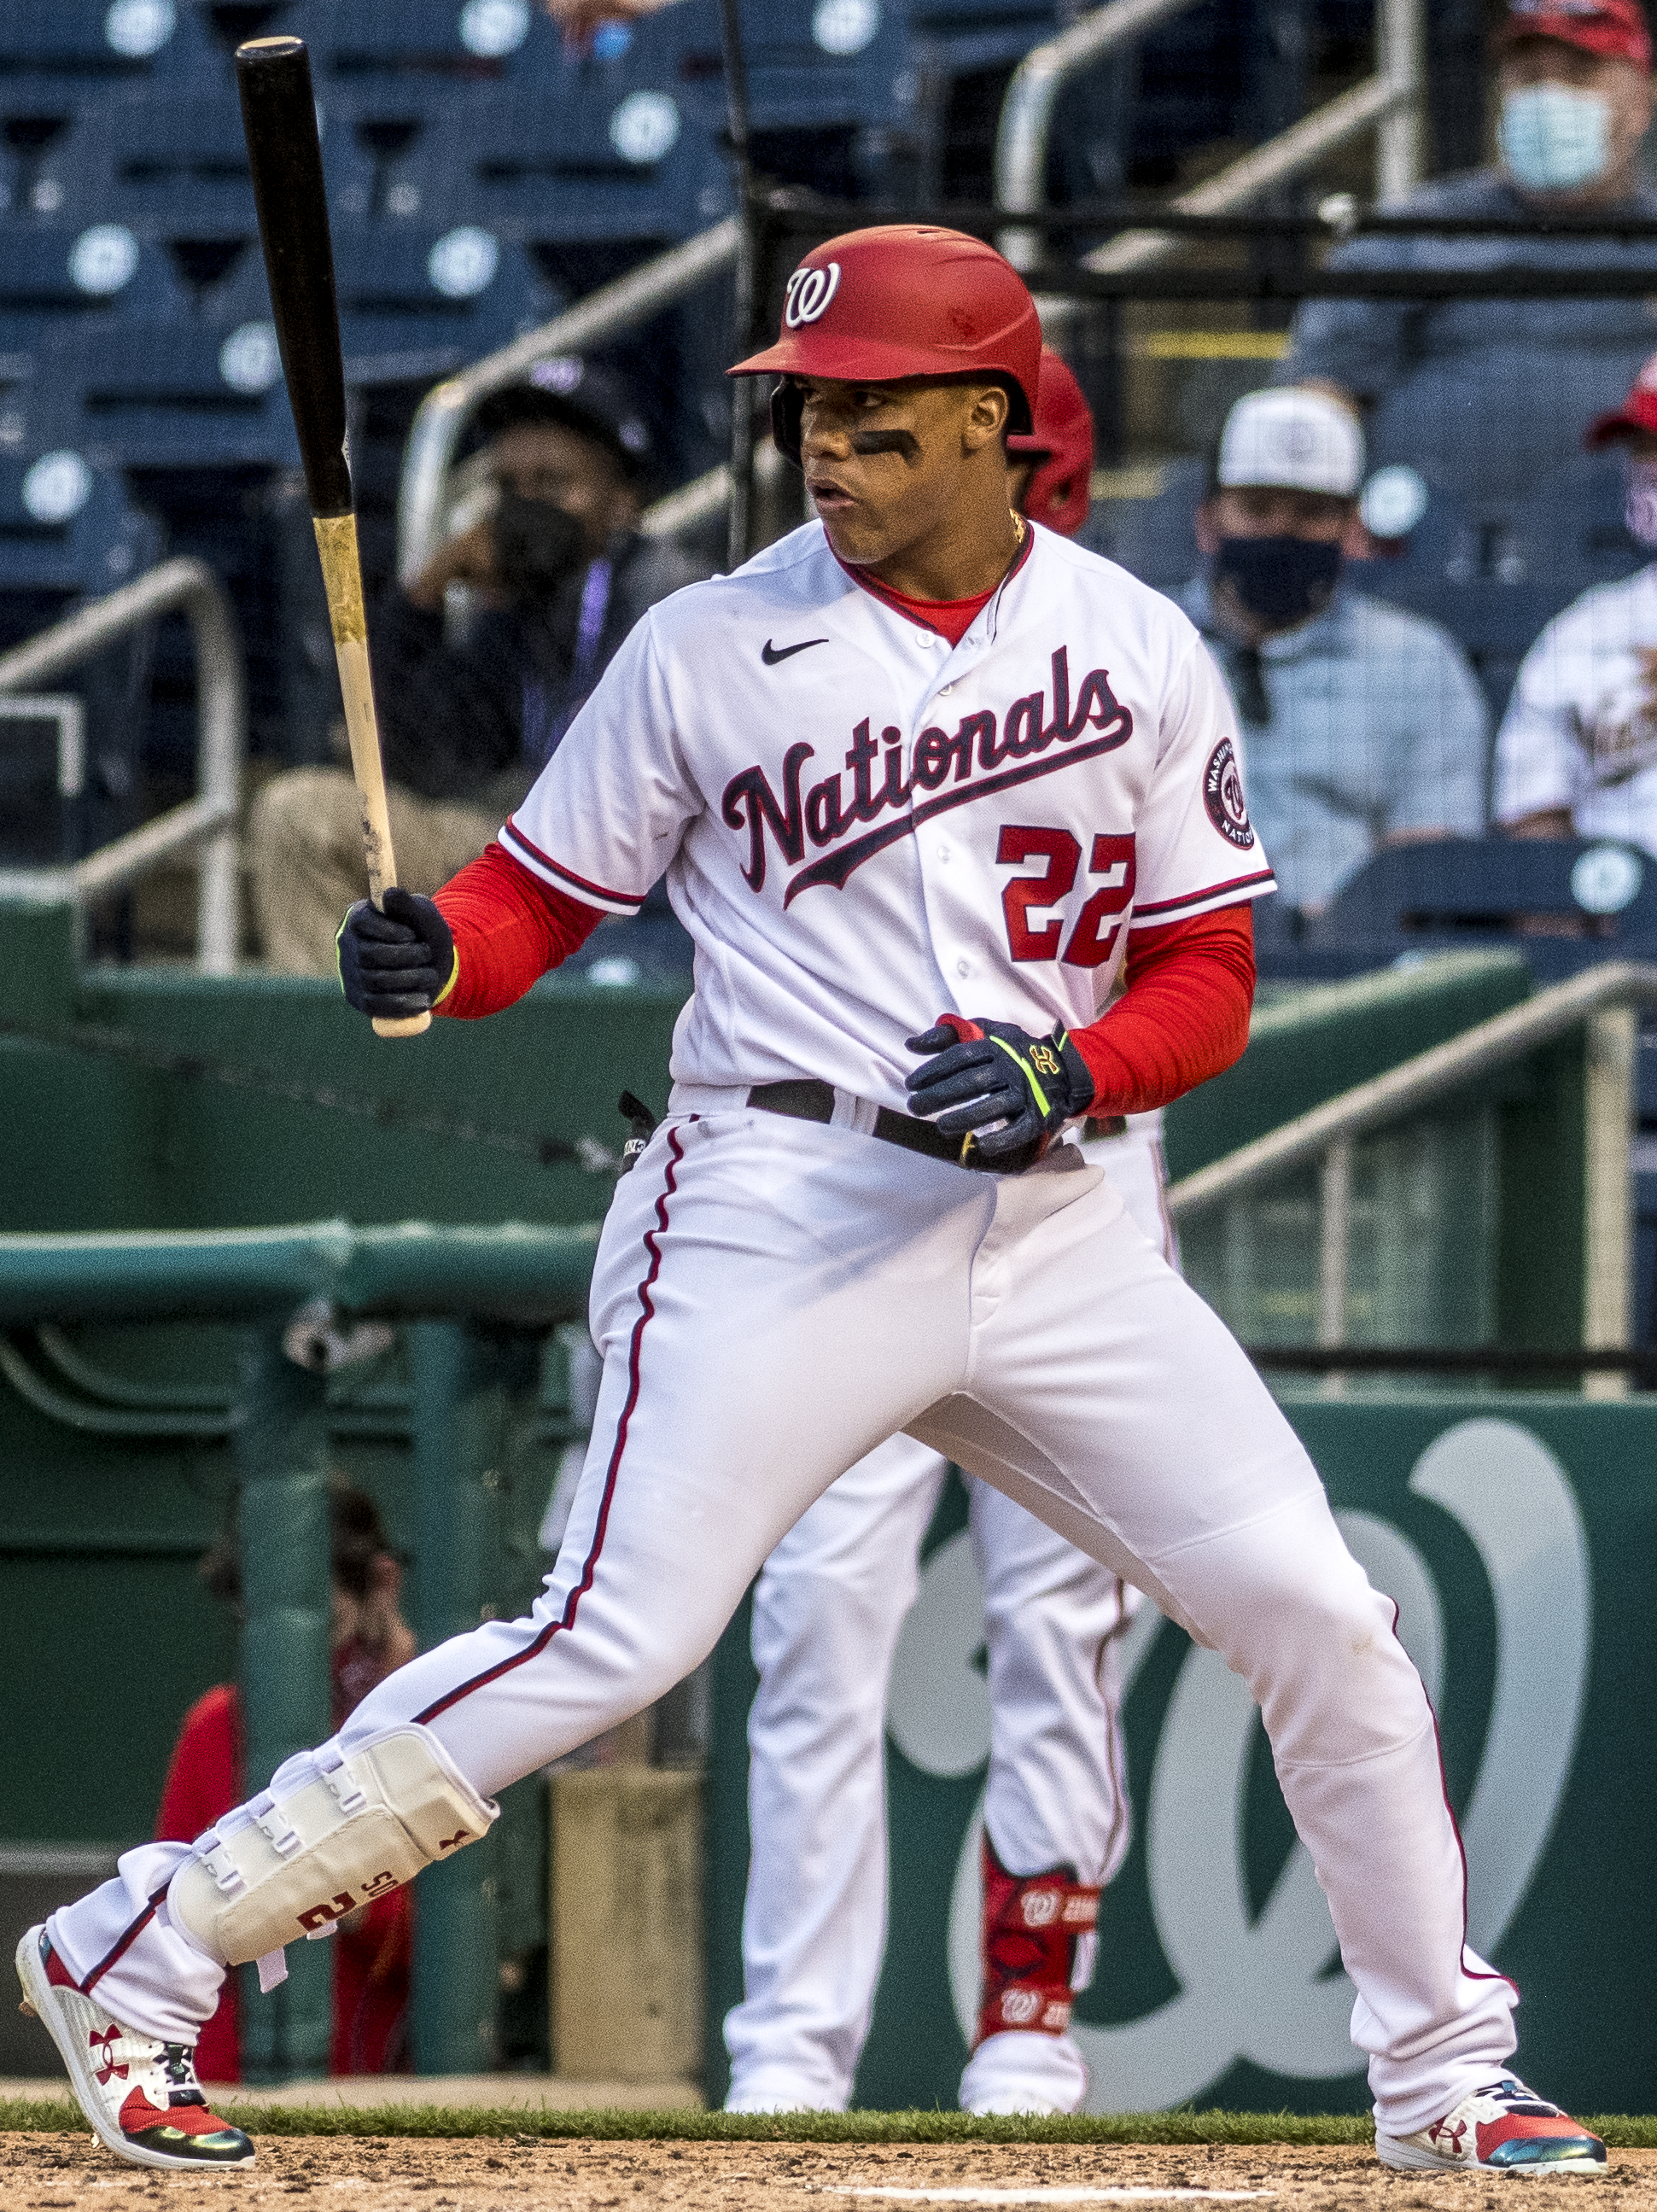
pixel 1580 729
pixel 863 827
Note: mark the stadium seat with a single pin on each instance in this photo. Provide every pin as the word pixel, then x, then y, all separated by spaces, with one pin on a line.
pixel 162 393
pixel 170 163
pixel 352 40
pixel 417 301
pixel 58 282
pixel 1495 573
pixel 69 533
pixel 578 159
pixel 101 42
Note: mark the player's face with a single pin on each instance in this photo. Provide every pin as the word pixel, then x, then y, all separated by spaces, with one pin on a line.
pixel 887 465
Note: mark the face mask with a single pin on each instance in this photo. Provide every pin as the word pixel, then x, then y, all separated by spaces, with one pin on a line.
pixel 1280 581
pixel 536 546
pixel 1554 137
pixel 1640 507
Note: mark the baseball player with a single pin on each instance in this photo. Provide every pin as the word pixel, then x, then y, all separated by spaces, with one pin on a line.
pixel 827 1610
pixel 926 781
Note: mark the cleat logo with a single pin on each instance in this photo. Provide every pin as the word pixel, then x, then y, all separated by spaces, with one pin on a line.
pixel 102 2045
pixel 1446 2138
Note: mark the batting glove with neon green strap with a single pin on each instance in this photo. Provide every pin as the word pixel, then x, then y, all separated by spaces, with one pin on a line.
pixel 1003 1092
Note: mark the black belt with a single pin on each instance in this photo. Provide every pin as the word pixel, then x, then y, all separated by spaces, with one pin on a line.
pixel 806 1100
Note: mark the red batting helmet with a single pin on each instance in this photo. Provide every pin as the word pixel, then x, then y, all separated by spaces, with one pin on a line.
pixel 903 298
pixel 1061 445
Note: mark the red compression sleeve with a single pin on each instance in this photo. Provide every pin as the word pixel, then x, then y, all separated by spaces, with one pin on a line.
pixel 1183 1018
pixel 509 928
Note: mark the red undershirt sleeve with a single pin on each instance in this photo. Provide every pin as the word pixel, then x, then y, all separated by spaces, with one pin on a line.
pixel 509 928
pixel 1183 1018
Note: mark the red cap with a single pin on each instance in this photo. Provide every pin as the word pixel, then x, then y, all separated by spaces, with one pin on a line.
pixel 1060 491
pixel 1615 28
pixel 906 299
pixel 1636 414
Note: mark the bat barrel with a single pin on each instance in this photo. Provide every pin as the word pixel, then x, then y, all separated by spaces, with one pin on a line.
pixel 279 117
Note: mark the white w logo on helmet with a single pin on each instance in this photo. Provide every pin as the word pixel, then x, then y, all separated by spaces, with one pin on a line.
pixel 809 291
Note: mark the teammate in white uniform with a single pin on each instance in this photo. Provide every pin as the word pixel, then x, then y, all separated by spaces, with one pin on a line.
pixel 1576 753
pixel 828 1611
pixel 851 1223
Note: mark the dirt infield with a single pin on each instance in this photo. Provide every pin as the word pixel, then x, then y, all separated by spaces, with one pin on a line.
pixel 58 2172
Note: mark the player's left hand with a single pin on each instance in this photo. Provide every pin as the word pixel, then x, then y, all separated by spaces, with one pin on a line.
pixel 1009 1091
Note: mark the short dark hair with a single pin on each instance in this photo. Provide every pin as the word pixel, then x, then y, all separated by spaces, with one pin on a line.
pixel 357 1538
pixel 580 398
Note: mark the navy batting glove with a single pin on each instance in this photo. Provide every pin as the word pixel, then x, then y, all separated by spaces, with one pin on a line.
pixel 398 963
pixel 1005 1093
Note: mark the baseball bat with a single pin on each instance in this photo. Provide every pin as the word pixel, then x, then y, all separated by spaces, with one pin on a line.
pixel 279 117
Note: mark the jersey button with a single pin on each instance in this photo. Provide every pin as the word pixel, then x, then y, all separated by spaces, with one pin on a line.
pixel 963 967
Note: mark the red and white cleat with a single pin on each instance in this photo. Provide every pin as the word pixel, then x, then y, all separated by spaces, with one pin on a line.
pixel 142 2097
pixel 1504 2129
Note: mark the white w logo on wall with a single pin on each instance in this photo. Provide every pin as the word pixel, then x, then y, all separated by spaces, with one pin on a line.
pixel 1260 1981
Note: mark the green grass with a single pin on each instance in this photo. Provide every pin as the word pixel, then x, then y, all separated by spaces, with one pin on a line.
pixel 58 2114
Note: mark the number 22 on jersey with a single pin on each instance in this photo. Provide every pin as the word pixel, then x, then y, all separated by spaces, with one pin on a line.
pixel 1094 934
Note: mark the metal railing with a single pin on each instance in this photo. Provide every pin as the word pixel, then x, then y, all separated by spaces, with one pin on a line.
pixel 207 823
pixel 1601 999
pixel 443 414
pixel 1026 125
pixel 1390 97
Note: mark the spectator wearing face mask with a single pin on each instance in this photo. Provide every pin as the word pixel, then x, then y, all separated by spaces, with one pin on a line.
pixel 556 575
pixel 1577 750
pixel 1573 79
pixel 1362 725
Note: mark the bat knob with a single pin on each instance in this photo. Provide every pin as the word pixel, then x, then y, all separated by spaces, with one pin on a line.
pixel 393 1025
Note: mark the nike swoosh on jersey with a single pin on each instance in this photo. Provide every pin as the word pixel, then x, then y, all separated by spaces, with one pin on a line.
pixel 771 654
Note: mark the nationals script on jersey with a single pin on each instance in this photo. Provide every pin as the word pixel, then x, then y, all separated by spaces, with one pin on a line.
pixel 862 827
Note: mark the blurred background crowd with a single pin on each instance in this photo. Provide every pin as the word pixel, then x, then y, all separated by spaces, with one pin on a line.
pixel 1413 522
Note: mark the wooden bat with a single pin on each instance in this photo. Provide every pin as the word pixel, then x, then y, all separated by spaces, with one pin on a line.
pixel 279 117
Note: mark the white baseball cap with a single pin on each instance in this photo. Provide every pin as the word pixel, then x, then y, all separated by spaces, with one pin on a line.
pixel 1293 440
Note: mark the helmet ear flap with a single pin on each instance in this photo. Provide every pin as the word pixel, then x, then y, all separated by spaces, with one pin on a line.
pixel 787 411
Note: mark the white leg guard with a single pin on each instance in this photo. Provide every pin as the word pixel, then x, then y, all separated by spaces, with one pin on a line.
pixel 329 1834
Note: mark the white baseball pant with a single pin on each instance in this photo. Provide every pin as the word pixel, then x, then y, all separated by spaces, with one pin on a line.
pixel 828 1608
pixel 775 1298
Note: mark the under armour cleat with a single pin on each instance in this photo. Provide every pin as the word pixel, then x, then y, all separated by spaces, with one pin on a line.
pixel 142 2096
pixel 1503 2129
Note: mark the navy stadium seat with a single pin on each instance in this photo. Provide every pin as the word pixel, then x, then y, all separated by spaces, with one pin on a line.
pixel 58 283
pixel 101 42
pixel 1495 573
pixel 576 160
pixel 69 533
pixel 416 302
pixel 67 528
pixel 352 40
pixel 176 392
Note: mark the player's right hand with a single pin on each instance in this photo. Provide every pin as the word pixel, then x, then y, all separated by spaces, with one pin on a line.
pixel 397 963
